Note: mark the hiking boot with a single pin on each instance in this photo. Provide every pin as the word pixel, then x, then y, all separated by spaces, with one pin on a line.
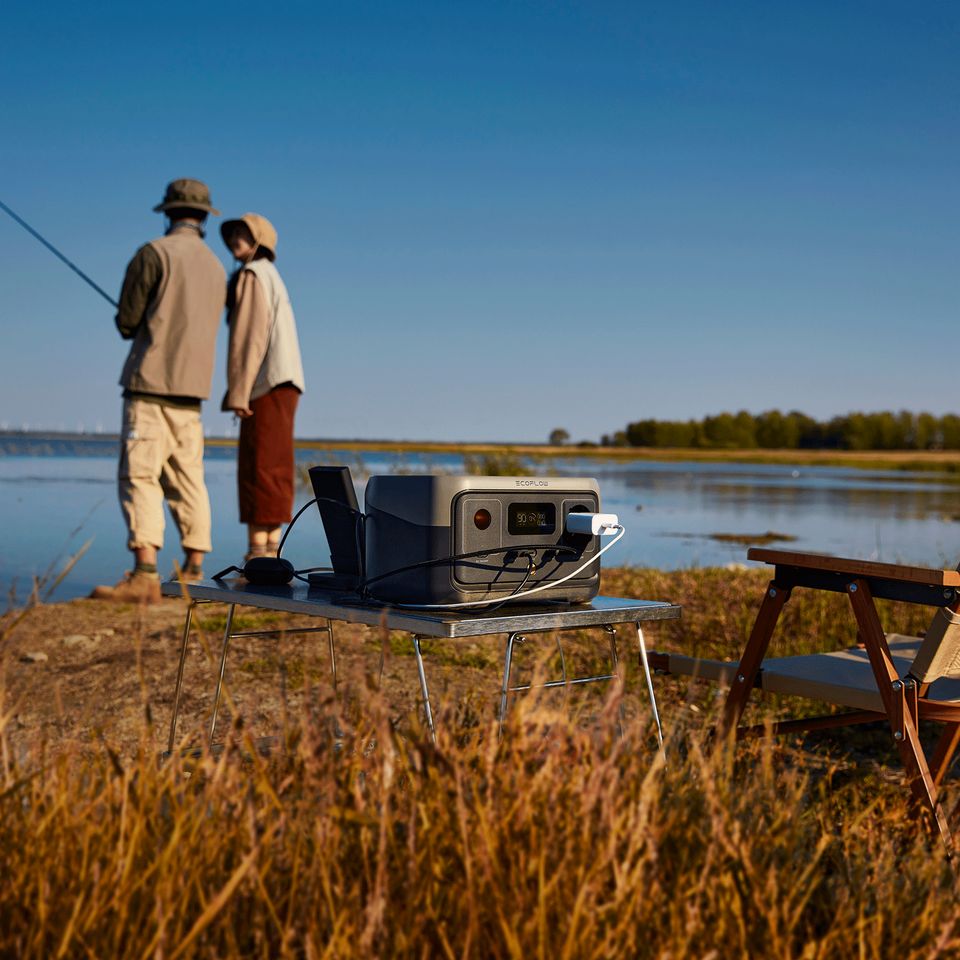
pixel 188 573
pixel 135 587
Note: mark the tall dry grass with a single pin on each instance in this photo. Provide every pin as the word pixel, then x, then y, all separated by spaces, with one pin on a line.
pixel 720 605
pixel 559 841
pixel 361 838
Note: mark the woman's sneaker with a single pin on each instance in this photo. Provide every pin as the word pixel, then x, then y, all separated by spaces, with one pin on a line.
pixel 260 550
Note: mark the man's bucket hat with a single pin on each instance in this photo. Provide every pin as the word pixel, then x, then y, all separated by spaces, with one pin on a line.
pixel 192 194
pixel 261 229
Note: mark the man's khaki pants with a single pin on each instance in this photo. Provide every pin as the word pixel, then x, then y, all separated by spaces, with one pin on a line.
pixel 162 456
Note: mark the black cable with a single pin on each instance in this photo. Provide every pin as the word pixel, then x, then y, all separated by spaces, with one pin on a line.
pixel 296 517
pixel 531 561
pixel 361 590
pixel 33 233
pixel 299 513
pixel 493 604
pixel 298 574
pixel 362 597
pixel 519 549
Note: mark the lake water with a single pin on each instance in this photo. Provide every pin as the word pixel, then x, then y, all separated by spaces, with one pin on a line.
pixel 50 505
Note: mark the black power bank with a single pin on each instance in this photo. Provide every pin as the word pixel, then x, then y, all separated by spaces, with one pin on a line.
pixel 342 524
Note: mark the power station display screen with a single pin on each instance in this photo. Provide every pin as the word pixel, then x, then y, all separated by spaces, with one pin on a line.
pixel 527 518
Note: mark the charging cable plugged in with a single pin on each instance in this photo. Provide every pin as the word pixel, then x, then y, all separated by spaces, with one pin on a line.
pixel 593 524
pixel 618 532
pixel 277 571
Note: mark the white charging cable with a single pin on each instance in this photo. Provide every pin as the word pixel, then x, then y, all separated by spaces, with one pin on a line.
pixel 609 524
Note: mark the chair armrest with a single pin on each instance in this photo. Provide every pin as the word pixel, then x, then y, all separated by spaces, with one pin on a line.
pixel 857 568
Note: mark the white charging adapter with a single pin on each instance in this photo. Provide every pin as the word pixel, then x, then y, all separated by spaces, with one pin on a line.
pixel 593 524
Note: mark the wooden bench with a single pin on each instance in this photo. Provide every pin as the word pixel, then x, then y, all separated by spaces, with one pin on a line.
pixel 892 677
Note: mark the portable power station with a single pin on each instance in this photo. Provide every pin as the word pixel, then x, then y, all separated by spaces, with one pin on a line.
pixel 437 539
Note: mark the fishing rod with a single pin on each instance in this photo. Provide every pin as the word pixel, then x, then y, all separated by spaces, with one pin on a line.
pixel 33 233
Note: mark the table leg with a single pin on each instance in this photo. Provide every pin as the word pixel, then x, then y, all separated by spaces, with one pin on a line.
pixel 751 660
pixel 176 692
pixel 505 689
pixel 563 669
pixel 891 689
pixel 646 673
pixel 612 634
pixel 946 747
pixel 424 689
pixel 223 665
pixel 333 655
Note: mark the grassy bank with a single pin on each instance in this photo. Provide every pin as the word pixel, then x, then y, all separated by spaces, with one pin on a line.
pixel 942 463
pixel 560 842
pixel 361 838
pixel 933 461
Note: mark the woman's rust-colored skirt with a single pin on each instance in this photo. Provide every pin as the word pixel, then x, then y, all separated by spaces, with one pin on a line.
pixel 265 472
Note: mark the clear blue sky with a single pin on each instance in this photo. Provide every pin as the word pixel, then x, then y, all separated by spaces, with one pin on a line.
pixel 500 218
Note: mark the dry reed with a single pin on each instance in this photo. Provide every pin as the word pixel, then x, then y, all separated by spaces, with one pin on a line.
pixel 361 838
pixel 561 841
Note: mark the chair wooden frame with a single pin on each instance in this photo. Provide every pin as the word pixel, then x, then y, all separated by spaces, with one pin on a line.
pixel 904 694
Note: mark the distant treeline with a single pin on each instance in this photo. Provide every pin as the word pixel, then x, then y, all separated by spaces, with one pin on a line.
pixel 795 430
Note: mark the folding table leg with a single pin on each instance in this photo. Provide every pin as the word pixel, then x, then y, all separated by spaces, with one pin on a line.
pixel 563 668
pixel 505 689
pixel 223 664
pixel 176 693
pixel 333 655
pixel 646 673
pixel 906 734
pixel 753 654
pixel 946 747
pixel 424 690
pixel 615 660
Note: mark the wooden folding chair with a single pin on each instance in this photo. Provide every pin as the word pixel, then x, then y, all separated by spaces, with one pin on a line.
pixel 891 677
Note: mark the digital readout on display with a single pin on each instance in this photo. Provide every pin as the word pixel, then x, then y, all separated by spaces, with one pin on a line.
pixel 531 518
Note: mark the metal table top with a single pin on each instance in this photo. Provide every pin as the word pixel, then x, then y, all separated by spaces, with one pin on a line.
pixel 516 618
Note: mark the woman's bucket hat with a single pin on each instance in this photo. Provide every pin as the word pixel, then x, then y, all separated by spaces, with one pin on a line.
pixel 261 229
pixel 186 193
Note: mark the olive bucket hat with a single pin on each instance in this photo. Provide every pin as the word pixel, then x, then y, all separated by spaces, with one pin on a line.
pixel 261 229
pixel 192 194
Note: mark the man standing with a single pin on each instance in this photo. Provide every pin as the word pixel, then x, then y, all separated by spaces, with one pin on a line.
pixel 170 307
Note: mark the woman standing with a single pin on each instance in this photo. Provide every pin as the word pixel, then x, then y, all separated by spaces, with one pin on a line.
pixel 264 381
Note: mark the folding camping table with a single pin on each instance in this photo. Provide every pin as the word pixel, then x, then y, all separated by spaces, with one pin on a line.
pixel 513 620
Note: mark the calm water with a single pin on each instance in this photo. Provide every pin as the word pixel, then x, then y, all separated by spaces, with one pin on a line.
pixel 50 505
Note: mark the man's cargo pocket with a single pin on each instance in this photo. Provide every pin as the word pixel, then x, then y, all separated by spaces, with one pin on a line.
pixel 140 453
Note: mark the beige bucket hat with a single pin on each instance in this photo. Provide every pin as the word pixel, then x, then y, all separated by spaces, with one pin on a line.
pixel 261 229
pixel 192 194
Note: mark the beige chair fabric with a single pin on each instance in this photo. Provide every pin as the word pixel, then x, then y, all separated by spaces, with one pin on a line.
pixel 939 655
pixel 843 676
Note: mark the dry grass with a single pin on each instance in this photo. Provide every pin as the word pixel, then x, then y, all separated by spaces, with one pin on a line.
pixel 719 607
pixel 560 842
pixel 360 838
pixel 944 464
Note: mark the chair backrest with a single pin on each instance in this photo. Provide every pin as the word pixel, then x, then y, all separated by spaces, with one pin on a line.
pixel 939 654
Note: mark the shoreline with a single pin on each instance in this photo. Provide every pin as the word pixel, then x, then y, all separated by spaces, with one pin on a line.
pixel 947 461
pixel 942 462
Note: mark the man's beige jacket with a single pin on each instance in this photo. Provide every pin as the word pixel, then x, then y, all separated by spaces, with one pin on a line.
pixel 173 352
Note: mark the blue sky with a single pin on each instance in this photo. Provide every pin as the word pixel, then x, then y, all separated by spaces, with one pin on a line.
pixel 500 218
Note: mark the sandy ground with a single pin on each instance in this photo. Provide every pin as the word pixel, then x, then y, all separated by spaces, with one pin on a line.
pixel 83 669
